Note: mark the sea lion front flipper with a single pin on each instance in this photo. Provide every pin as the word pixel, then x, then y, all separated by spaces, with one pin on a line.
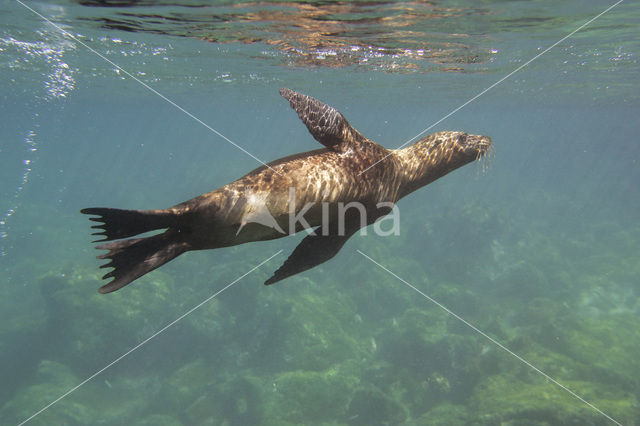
pixel 317 248
pixel 324 122
pixel 313 250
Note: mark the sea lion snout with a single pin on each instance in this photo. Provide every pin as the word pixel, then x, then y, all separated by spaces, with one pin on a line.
pixel 476 145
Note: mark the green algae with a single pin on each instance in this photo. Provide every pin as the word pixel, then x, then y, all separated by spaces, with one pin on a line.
pixel 50 381
pixel 317 334
pixel 363 351
pixel 106 322
pixel 370 406
pixel 604 344
pixel 444 415
pixel 300 395
pixel 159 420
pixel 508 400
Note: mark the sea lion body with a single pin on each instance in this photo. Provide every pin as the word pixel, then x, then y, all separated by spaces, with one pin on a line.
pixel 306 190
pixel 316 178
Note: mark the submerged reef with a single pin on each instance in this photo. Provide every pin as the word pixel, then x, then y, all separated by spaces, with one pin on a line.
pixel 365 350
pixel 503 399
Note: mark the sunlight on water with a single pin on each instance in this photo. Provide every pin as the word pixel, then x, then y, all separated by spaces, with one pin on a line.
pixel 25 56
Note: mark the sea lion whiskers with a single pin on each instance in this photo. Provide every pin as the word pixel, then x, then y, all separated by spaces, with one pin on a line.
pixel 486 158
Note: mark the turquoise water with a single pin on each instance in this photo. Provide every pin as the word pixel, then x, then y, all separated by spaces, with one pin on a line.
pixel 538 246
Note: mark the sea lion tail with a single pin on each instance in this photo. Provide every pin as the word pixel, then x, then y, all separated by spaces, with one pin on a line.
pixel 134 257
pixel 118 223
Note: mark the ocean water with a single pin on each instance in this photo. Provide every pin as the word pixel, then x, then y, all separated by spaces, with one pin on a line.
pixel 525 266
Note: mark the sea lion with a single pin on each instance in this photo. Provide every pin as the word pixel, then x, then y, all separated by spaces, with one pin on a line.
pixel 312 187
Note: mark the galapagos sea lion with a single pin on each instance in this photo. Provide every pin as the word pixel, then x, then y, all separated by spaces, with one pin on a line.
pixel 310 186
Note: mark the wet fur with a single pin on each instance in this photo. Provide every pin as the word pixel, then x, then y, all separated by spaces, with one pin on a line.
pixel 340 172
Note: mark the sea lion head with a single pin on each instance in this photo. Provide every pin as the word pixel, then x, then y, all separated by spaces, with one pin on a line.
pixel 438 154
pixel 448 150
pixel 469 147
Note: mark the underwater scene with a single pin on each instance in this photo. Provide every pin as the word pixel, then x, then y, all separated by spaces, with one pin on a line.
pixel 509 295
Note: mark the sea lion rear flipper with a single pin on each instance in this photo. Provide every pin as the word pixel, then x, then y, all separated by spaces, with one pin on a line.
pixel 118 223
pixel 134 257
pixel 313 250
pixel 324 122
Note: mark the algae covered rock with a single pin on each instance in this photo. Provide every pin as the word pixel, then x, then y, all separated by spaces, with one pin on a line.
pixel 22 334
pixel 503 399
pixel 51 380
pixel 443 415
pixel 199 394
pixel 85 326
pixel 603 345
pixel 371 407
pixel 433 363
pixel 313 334
pixel 159 420
pixel 187 383
pixel 300 397
pixel 236 401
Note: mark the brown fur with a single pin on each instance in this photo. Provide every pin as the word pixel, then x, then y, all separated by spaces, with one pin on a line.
pixel 340 173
